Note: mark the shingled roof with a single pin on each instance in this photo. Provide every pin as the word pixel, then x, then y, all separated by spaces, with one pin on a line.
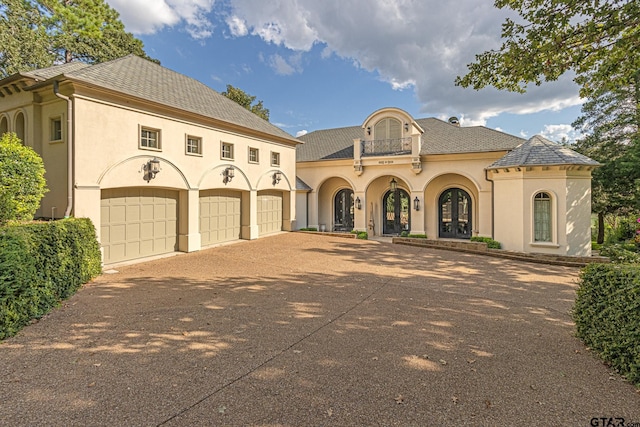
pixel 440 137
pixel 539 151
pixel 137 77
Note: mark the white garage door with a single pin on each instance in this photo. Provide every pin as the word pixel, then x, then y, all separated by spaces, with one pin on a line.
pixel 269 212
pixel 138 222
pixel 219 216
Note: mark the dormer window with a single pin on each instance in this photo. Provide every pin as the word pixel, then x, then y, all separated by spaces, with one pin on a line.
pixel 388 128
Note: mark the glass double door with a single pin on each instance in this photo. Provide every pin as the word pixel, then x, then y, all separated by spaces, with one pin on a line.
pixel 397 215
pixel 455 214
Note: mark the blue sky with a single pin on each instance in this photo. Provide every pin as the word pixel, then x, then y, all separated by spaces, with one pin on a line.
pixel 319 64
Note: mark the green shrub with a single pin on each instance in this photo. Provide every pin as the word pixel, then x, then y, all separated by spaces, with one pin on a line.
pixel 309 229
pixel 418 236
pixel 41 264
pixel 404 234
pixel 362 235
pixel 607 315
pixel 621 253
pixel 22 182
pixel 491 244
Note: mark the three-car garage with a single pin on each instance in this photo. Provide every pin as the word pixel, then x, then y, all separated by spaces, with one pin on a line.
pixel 140 222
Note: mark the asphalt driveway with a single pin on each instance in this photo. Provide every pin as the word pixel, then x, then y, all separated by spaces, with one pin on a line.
pixel 298 329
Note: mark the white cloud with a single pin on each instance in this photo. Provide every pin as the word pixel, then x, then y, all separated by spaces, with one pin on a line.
pixel 237 26
pixel 285 67
pixel 560 133
pixel 301 133
pixel 409 43
pixel 150 16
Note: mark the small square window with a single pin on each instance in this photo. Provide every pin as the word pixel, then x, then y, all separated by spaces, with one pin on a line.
pixel 56 129
pixel 253 155
pixel 150 138
pixel 194 145
pixel 275 159
pixel 227 151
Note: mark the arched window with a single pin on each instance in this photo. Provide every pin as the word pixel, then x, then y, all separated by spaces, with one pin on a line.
pixel 542 217
pixel 4 125
pixel 388 128
pixel 19 129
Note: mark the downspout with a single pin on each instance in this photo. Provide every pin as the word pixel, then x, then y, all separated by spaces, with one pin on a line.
pixel 56 91
pixel 486 176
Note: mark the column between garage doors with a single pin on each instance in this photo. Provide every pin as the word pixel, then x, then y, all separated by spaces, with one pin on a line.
pixel 189 238
pixel 250 228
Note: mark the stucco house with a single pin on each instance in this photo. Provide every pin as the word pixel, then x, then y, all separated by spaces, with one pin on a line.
pixel 395 173
pixel 159 161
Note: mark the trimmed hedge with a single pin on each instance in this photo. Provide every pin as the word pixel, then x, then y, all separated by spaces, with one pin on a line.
pixel 607 315
pixel 491 244
pixel 362 235
pixel 41 264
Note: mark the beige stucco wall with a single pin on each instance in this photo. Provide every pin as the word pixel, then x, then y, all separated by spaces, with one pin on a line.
pixel 106 154
pixel 570 190
pixel 439 173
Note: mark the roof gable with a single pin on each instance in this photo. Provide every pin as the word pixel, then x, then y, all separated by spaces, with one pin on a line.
pixel 539 151
pixel 137 77
pixel 439 137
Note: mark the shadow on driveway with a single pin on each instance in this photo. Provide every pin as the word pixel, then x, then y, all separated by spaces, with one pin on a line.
pixel 298 329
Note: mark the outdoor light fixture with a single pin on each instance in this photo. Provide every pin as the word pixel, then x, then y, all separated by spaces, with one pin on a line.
pixel 228 174
pixel 368 130
pixel 151 168
pixel 393 184
pixel 416 204
pixel 277 176
pixel 406 127
pixel 358 203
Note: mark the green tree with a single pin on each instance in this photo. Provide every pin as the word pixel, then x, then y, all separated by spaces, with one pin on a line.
pixel 24 42
pixel 22 182
pixel 611 120
pixel 88 30
pixel 40 33
pixel 599 40
pixel 241 97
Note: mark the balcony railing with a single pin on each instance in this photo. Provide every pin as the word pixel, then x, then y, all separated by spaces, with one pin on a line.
pixel 386 147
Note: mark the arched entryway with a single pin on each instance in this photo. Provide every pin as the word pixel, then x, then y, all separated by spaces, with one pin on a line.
pixel 343 210
pixel 397 215
pixel 454 219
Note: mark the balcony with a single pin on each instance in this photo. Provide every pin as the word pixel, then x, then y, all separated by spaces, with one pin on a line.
pixel 386 147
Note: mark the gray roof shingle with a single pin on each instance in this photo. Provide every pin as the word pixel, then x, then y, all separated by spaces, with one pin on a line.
pixel 539 151
pixel 301 185
pixel 440 137
pixel 146 80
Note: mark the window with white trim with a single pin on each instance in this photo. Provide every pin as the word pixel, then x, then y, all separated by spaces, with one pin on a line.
pixel 150 139
pixel 542 217
pixel 254 155
pixel 275 158
pixel 194 145
pixel 226 151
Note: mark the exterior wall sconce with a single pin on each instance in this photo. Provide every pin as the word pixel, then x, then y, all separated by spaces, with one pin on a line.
pixel 228 175
pixel 358 203
pixel 393 184
pixel 277 176
pixel 368 130
pixel 151 168
pixel 406 127
pixel 416 204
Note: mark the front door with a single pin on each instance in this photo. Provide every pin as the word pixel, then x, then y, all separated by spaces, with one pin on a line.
pixel 455 214
pixel 396 212
pixel 343 210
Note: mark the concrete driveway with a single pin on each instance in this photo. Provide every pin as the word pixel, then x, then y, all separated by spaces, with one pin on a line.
pixel 298 329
